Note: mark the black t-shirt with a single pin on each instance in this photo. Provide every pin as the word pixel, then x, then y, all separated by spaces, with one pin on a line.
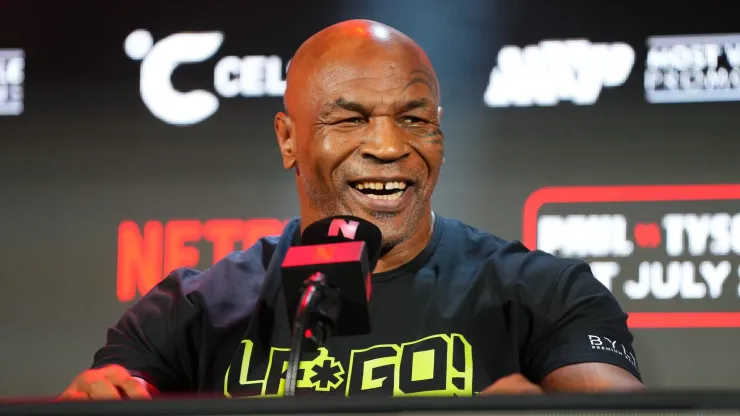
pixel 469 309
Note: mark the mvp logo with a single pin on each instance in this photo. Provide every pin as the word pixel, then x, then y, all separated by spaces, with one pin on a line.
pixel 438 365
pixel 554 71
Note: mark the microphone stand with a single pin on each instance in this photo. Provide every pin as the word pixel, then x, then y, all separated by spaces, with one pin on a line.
pixel 315 318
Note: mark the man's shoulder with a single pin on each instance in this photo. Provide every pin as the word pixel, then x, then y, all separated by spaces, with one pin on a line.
pixel 511 271
pixel 235 267
pixel 464 238
pixel 240 266
pixel 237 264
pixel 507 260
pixel 231 287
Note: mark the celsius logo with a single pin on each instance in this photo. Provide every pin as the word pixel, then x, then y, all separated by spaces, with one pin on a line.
pixel 554 71
pixel 249 76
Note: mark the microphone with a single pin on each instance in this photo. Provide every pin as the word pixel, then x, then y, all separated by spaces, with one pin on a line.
pixel 344 228
pixel 326 283
pixel 344 250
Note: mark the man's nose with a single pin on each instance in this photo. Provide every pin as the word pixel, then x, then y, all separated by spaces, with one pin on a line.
pixel 385 143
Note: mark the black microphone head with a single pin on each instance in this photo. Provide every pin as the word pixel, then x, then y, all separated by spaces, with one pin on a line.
pixel 344 228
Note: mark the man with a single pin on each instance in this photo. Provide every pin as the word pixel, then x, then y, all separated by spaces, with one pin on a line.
pixel 455 311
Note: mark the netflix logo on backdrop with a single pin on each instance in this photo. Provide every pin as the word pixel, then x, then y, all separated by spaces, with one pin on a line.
pixel 668 253
pixel 149 251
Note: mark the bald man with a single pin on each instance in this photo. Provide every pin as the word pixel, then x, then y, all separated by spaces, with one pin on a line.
pixel 455 311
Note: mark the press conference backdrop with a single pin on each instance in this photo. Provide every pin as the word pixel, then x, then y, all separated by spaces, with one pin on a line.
pixel 137 137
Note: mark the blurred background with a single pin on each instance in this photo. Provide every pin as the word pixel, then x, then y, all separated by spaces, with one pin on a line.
pixel 137 137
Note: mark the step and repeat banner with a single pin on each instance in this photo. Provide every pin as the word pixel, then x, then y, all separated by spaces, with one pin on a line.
pixel 137 137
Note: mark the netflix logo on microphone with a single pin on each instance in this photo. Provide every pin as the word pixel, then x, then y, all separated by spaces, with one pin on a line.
pixel 669 254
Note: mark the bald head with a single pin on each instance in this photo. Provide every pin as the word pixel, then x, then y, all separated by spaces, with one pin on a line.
pixel 344 47
pixel 361 129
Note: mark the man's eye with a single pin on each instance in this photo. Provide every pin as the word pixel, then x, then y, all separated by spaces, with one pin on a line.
pixel 353 120
pixel 413 120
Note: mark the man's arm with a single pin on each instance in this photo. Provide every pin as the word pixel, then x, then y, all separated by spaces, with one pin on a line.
pixel 591 378
pixel 575 378
pixel 581 342
pixel 146 351
pixel 150 340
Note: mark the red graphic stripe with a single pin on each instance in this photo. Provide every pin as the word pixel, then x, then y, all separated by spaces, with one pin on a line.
pixel 324 254
pixel 637 193
pixel 684 320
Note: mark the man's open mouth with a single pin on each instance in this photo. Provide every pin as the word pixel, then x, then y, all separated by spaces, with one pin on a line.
pixel 383 190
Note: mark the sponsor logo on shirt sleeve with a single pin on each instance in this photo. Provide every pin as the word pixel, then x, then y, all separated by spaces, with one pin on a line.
pixel 602 343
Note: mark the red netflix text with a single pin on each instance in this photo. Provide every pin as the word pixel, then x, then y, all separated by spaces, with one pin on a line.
pixel 147 254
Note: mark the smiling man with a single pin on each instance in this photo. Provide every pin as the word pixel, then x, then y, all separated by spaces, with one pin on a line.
pixel 362 130
pixel 455 311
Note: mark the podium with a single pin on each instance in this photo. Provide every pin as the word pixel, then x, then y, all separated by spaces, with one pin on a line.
pixel 657 404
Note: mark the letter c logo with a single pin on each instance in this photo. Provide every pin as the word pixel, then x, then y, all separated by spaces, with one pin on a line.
pixel 159 61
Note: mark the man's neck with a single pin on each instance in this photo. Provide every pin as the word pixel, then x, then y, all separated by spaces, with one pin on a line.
pixel 408 249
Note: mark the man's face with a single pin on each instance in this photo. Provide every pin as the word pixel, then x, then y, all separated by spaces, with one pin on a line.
pixel 370 144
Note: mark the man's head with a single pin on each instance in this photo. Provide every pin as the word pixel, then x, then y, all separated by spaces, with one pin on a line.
pixel 362 110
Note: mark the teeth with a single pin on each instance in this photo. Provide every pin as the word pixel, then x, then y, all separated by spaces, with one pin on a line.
pixel 395 185
pixel 392 197
pixel 380 185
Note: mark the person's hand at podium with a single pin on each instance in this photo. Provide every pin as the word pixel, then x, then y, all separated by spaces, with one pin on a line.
pixel 111 382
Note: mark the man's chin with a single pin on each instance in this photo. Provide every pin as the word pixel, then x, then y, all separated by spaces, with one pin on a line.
pixel 388 222
pixel 395 226
pixel 395 230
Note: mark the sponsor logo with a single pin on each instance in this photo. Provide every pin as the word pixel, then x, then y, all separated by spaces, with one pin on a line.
pixel 666 252
pixel 248 76
pixel 12 75
pixel 555 71
pixel 438 365
pixel 148 253
pixel 605 344
pixel 701 68
pixel 347 228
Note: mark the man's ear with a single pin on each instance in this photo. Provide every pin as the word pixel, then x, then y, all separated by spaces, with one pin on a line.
pixel 285 132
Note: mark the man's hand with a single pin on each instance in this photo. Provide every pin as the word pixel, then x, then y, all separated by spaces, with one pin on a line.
pixel 512 384
pixel 111 382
